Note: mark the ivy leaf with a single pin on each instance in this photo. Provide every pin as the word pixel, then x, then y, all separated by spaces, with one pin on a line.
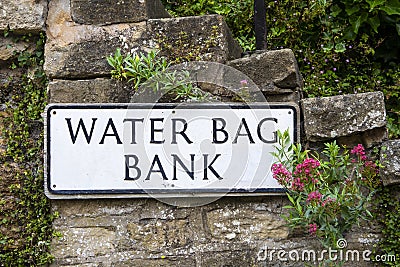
pixel 335 11
pixel 352 9
pixel 328 47
pixel 374 22
pixel 356 21
pixel 349 34
pixel 392 7
pixel 340 47
pixel 374 3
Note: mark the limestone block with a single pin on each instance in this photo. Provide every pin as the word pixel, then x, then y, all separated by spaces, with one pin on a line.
pixel 156 235
pixel 201 38
pixel 123 260
pixel 294 97
pixel 79 51
pixel 275 72
pixel 344 115
pixel 98 90
pixel 96 208
pixel 171 261
pixel 245 224
pixel 111 11
pixel 23 16
pixel 84 242
pixel 368 138
pixel 390 158
pixel 242 257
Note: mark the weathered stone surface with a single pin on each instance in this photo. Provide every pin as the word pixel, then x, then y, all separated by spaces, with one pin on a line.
pixel 156 235
pixel 244 223
pixel 111 11
pixel 99 90
pixel 84 242
pixel 390 158
pixel 275 72
pixel 338 116
pixel 374 136
pixel 122 259
pixel 294 97
pixel 23 15
pixel 205 38
pixel 369 138
pixel 242 257
pixel 161 262
pixel 149 233
pixel 79 51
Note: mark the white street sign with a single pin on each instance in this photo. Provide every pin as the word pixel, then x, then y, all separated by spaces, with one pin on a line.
pixel 114 150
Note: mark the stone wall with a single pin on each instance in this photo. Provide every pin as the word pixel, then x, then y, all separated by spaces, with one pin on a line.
pixel 17 19
pixel 145 232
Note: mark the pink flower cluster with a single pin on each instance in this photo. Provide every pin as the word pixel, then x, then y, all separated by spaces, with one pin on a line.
pixel 327 201
pixel 306 171
pixel 281 174
pixel 303 174
pixel 307 166
pixel 297 184
pixel 314 196
pixel 313 227
pixel 359 151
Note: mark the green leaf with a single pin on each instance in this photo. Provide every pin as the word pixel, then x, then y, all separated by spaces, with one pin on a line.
pixel 356 21
pixel 374 3
pixel 398 28
pixel 340 47
pixel 299 208
pixel 392 7
pixel 374 22
pixel 352 9
pixel 328 47
pixel 335 10
pixel 288 207
pixel 291 199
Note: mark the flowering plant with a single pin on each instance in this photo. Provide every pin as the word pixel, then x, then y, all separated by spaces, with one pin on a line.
pixel 328 192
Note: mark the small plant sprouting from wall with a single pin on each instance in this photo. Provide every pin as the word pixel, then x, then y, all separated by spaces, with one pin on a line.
pixel 152 69
pixel 26 217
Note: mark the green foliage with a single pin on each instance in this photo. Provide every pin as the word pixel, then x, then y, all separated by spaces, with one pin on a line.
pixel 30 209
pixel 342 46
pixel 151 71
pixel 387 214
pixel 325 190
pixel 136 68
